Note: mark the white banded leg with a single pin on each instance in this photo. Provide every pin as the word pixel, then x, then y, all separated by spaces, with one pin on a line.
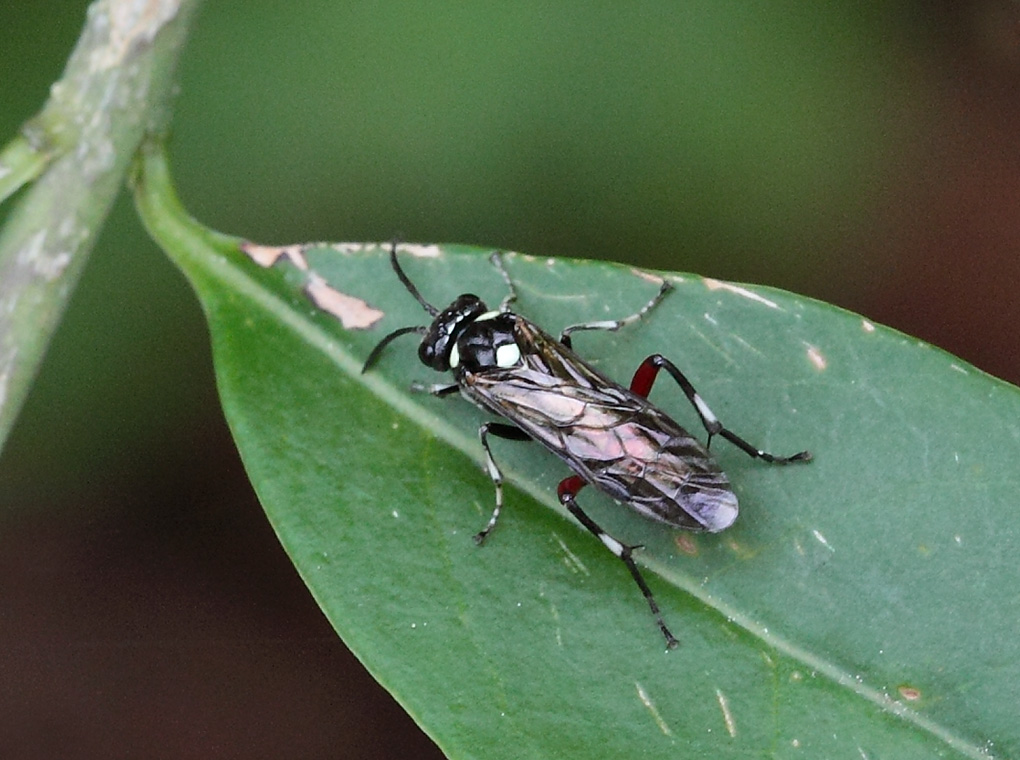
pixel 567 492
pixel 510 433
pixel 615 324
pixel 642 383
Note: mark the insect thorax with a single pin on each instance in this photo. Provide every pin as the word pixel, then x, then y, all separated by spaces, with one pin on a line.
pixel 466 337
pixel 486 343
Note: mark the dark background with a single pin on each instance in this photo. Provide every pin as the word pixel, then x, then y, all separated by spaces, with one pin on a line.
pixel 863 154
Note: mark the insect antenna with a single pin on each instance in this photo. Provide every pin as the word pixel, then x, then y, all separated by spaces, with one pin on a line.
pixel 374 355
pixel 419 329
pixel 432 310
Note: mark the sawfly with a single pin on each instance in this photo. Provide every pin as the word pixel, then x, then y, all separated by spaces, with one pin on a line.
pixel 611 436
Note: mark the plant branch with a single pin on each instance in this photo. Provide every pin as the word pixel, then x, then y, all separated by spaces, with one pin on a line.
pixel 115 89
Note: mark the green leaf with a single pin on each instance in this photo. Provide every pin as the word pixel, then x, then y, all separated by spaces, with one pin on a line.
pixel 863 606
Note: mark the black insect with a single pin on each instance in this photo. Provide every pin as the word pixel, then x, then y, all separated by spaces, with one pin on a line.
pixel 612 437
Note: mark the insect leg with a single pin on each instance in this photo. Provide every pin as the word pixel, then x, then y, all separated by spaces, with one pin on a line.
pixel 615 324
pixel 642 383
pixel 511 296
pixel 567 491
pixel 510 433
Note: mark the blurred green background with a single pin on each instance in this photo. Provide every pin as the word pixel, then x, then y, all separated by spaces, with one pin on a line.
pixel 863 153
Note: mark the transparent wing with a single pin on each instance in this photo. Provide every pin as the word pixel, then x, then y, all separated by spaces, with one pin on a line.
pixel 614 439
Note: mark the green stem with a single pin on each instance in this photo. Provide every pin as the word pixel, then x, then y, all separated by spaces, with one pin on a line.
pixel 20 163
pixel 115 89
pixel 178 233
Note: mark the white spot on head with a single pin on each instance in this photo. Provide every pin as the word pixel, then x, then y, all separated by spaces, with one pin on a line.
pixel 507 355
pixel 454 357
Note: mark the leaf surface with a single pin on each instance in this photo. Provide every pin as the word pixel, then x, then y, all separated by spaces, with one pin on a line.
pixel 863 606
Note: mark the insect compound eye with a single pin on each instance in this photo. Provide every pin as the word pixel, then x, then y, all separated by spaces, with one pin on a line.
pixel 438 342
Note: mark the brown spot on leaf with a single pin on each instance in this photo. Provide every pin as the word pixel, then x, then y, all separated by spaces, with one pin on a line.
pixel 909 693
pixel 685 543
pixel 267 255
pixel 421 251
pixel 353 313
pixel 647 276
pixel 741 550
pixel 738 290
